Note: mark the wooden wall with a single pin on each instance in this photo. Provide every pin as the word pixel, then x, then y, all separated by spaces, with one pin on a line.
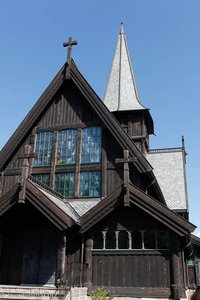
pixel 68 109
pixel 128 269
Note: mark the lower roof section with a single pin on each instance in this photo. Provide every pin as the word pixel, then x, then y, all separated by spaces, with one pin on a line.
pixel 169 170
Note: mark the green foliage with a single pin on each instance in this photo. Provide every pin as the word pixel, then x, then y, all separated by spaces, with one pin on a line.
pixel 100 294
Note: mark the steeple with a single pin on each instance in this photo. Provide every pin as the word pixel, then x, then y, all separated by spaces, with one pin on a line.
pixel 122 98
pixel 121 92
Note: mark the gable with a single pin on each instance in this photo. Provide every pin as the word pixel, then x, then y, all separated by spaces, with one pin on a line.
pixel 68 108
pixel 157 211
pixel 48 205
pixel 71 103
pixel 95 103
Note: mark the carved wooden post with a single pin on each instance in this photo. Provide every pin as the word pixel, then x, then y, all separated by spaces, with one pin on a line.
pixel 175 283
pixel 61 274
pixel 25 155
pixel 88 261
pixel 125 161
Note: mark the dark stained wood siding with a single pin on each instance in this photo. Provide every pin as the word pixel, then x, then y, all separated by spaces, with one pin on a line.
pixel 8 182
pixel 68 108
pixel 73 265
pixel 29 248
pixel 131 269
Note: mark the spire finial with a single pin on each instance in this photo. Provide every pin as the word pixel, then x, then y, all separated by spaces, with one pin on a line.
pixel 69 44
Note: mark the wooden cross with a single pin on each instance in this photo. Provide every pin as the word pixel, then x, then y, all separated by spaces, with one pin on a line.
pixel 126 160
pixel 69 44
pixel 26 154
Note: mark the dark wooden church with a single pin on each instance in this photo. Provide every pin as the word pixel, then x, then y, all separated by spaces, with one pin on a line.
pixel 85 202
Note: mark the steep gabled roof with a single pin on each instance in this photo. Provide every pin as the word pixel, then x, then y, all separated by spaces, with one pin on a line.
pixel 38 109
pixel 52 206
pixel 143 201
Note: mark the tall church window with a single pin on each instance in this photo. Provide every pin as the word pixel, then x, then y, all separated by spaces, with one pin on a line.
pixel 66 147
pixel 65 184
pixel 69 160
pixel 43 148
pixel 44 178
pixel 91 145
pixel 90 184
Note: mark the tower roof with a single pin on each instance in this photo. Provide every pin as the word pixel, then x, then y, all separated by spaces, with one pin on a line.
pixel 121 92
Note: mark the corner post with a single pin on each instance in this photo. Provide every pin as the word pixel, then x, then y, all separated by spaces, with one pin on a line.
pixel 88 261
pixel 175 282
pixel 61 270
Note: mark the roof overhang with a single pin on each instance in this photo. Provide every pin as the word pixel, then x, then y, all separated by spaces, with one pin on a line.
pixel 42 202
pixel 143 201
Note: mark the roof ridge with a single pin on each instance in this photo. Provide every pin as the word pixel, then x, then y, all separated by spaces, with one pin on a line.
pixel 160 150
pixel 45 187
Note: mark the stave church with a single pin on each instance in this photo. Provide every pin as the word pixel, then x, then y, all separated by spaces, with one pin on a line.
pixel 85 203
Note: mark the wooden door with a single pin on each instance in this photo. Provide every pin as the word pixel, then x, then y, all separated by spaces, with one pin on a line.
pixel 11 258
pixel 40 257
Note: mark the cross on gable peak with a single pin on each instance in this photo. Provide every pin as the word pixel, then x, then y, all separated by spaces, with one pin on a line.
pixel 69 44
pixel 126 160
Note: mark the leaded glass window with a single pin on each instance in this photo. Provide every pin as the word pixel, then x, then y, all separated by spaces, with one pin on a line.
pixel 90 183
pixel 44 178
pixel 65 184
pixel 66 147
pixel 43 148
pixel 91 145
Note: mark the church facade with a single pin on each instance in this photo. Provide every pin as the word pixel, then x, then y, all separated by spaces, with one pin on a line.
pixel 85 202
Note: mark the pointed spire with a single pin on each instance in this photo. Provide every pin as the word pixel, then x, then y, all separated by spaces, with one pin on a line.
pixel 121 92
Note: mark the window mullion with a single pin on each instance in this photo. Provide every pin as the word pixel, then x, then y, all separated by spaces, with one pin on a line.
pixel 53 160
pixel 78 163
pixel 117 236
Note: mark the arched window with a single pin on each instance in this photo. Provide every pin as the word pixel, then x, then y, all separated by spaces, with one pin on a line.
pixel 149 239
pixel 163 239
pixel 110 240
pixel 123 240
pixel 136 239
pixel 98 240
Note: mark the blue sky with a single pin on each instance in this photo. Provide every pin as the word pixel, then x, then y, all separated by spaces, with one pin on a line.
pixel 164 42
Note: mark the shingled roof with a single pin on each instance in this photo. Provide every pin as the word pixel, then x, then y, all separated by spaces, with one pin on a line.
pixel 169 169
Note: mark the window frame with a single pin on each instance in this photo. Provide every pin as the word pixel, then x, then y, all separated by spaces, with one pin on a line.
pixel 130 247
pixel 77 167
